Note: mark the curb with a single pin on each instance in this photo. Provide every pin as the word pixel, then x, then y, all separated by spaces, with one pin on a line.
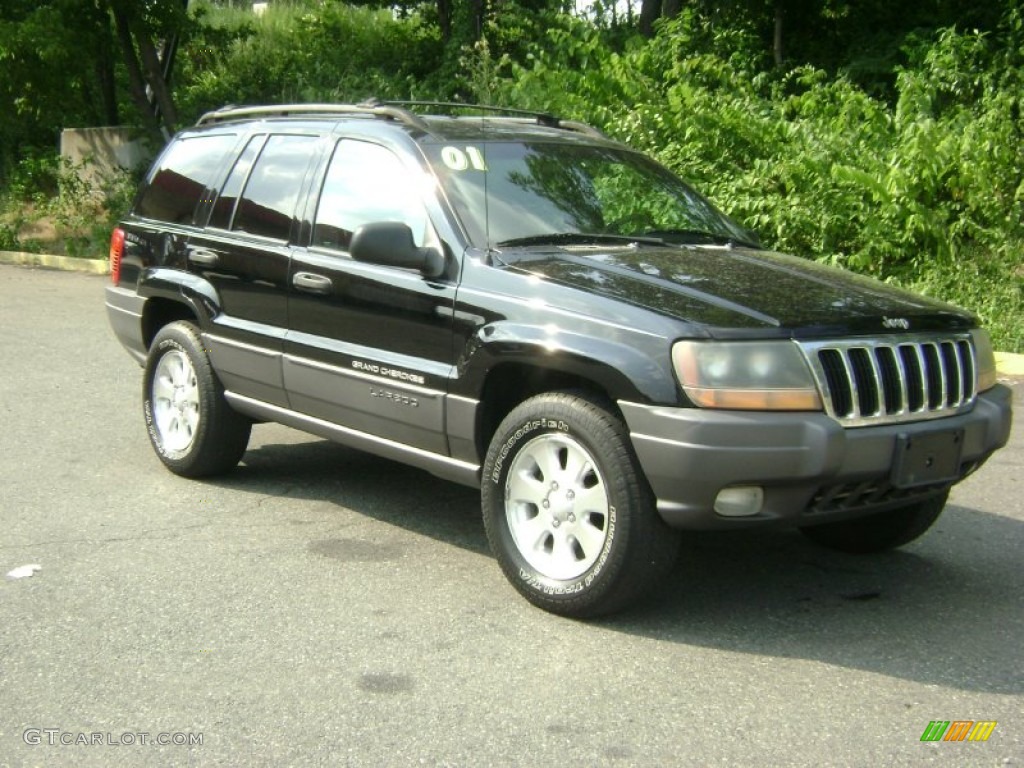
pixel 50 261
pixel 1007 363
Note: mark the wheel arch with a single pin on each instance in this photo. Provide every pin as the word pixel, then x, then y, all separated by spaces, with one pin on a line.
pixel 511 363
pixel 509 384
pixel 172 295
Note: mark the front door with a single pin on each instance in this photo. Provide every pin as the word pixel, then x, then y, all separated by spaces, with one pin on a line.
pixel 369 347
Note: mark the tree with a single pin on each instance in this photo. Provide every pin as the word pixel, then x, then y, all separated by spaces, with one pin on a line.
pixel 865 38
pixel 147 35
pixel 65 63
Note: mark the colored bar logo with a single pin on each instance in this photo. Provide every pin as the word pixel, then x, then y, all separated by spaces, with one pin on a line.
pixel 959 730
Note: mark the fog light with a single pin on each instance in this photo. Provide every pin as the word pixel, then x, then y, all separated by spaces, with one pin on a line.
pixel 739 502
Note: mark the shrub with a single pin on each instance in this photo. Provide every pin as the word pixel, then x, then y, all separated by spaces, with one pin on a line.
pixel 304 52
pixel 926 191
pixel 78 208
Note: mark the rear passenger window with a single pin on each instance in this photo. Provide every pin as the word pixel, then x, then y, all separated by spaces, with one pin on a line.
pixel 185 172
pixel 267 206
pixel 224 208
pixel 366 183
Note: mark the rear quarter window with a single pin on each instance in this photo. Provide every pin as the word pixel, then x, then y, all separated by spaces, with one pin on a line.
pixel 184 172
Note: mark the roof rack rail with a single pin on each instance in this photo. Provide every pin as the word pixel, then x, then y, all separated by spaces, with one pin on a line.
pixel 394 110
pixel 371 107
pixel 540 118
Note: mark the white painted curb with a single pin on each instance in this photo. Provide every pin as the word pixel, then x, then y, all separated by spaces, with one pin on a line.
pixel 65 263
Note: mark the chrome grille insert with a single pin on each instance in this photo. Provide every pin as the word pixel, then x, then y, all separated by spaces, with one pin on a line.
pixel 893 380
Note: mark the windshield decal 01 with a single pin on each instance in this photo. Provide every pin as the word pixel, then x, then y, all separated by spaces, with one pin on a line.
pixel 459 160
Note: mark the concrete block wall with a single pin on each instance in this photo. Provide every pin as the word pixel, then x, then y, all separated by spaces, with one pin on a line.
pixel 100 150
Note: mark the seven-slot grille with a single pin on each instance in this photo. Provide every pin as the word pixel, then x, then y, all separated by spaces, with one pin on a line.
pixel 875 381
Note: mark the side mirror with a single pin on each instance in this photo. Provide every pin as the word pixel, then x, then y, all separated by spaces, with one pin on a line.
pixel 390 243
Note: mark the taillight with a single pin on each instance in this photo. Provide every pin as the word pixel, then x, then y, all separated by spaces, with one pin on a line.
pixel 116 252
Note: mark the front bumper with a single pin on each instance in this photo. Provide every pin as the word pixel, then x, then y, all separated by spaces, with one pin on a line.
pixel 810 468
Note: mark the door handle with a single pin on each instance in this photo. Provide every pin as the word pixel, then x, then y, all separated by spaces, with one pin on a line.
pixel 311 283
pixel 203 257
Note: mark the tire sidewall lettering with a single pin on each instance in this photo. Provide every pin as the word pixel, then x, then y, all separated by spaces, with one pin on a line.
pixel 595 571
pixel 525 429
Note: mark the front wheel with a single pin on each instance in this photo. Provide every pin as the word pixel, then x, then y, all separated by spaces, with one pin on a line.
pixel 567 510
pixel 881 531
pixel 191 426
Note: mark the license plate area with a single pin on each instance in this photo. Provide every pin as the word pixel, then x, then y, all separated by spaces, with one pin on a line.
pixel 927 459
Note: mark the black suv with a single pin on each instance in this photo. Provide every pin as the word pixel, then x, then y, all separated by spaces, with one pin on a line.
pixel 517 303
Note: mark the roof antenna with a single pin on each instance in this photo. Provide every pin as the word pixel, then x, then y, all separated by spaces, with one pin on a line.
pixel 487 195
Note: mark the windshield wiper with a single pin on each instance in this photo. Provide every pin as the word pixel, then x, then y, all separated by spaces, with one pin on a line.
pixel 699 236
pixel 577 238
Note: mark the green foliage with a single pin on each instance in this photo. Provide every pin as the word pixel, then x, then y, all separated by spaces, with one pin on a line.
pixel 304 52
pixel 990 284
pixel 927 191
pixel 63 208
pixel 35 178
pixel 86 208
pixel 43 86
pixel 9 238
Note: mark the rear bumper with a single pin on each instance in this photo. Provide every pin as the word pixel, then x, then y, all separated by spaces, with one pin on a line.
pixel 810 468
pixel 124 312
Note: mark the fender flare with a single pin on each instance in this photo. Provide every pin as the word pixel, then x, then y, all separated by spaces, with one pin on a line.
pixel 183 288
pixel 624 371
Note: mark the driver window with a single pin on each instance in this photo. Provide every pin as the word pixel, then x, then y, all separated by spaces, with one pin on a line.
pixel 365 183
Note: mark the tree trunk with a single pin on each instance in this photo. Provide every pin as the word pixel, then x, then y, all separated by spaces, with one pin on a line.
pixel 104 69
pixel 479 17
pixel 136 82
pixel 444 19
pixel 777 38
pixel 650 12
pixel 154 72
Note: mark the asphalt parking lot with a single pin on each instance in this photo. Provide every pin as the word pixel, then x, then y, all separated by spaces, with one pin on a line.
pixel 323 607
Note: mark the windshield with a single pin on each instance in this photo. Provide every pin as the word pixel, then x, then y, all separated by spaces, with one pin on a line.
pixel 511 194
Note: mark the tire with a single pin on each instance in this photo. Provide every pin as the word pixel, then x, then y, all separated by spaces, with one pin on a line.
pixel 191 426
pixel 567 511
pixel 881 531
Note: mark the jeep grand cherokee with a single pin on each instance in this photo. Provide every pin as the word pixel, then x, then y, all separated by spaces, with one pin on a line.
pixel 517 303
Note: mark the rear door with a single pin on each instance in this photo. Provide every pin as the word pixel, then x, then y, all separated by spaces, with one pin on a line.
pixel 369 347
pixel 244 252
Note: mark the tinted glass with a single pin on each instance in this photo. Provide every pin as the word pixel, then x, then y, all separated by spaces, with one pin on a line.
pixel 366 183
pixel 267 206
pixel 185 172
pixel 509 191
pixel 224 208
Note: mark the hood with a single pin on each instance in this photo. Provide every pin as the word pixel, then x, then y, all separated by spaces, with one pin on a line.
pixel 737 290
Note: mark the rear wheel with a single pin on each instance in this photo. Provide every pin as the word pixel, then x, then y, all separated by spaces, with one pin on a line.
pixel 567 510
pixel 881 531
pixel 191 426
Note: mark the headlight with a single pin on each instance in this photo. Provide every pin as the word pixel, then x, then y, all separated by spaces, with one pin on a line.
pixel 749 375
pixel 986 359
